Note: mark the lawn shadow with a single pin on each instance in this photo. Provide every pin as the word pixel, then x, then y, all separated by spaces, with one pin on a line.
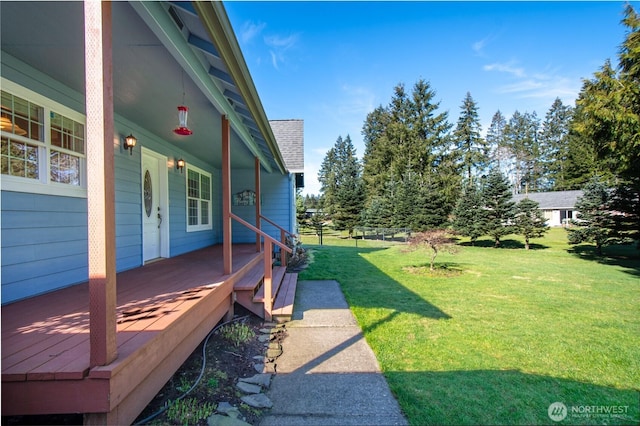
pixel 365 285
pixel 625 256
pixel 508 397
pixel 504 244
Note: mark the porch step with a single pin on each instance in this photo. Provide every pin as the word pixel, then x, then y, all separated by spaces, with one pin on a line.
pixel 249 291
pixel 283 305
pixel 276 280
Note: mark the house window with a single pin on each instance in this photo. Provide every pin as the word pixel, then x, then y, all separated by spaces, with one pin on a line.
pixel 198 199
pixel 42 145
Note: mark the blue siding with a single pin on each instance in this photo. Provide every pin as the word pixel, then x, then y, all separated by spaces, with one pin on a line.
pixel 277 204
pixel 128 183
pixel 181 240
pixel 44 243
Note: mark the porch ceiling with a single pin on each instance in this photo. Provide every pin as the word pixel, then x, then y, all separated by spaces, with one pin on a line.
pixel 153 57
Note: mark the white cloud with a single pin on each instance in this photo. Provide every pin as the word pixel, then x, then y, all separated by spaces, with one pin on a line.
pixel 508 68
pixel 251 30
pixel 547 85
pixel 278 47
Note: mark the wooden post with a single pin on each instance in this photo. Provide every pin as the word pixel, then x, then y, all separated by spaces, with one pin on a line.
pixel 100 182
pixel 226 196
pixel 268 275
pixel 258 203
pixel 284 256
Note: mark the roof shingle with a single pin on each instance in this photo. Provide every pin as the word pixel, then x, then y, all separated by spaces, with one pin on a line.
pixel 290 137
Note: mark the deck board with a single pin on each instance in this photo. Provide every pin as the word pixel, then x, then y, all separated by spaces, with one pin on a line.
pixel 45 339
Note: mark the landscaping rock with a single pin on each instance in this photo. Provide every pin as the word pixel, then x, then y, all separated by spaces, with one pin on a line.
pixel 264 338
pixel 224 407
pixel 248 387
pixel 258 400
pixel 220 420
pixel 263 379
pixel 259 367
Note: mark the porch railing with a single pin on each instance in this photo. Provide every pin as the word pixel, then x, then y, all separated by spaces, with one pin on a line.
pixel 283 238
pixel 269 241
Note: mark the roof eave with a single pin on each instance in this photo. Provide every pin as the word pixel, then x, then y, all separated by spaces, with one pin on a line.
pixel 214 17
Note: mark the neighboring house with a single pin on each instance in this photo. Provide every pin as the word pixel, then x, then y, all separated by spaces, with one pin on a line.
pixel 558 207
pixel 86 222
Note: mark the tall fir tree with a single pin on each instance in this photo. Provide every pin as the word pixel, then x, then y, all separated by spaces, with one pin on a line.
pixel 410 134
pixel 327 176
pixel 529 221
pixel 347 192
pixel 471 146
pixel 496 142
pixel 521 137
pixel 468 215
pixel 554 146
pixel 594 222
pixel 498 204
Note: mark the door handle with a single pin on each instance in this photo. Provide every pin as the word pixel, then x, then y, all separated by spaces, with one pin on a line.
pixel 160 219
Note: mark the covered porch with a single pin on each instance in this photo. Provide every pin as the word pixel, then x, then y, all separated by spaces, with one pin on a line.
pixel 164 310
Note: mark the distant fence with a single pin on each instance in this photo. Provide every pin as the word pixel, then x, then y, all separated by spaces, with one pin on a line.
pixel 384 234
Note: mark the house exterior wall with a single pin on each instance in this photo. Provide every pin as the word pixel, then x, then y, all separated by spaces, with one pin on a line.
pixel 277 203
pixel 44 236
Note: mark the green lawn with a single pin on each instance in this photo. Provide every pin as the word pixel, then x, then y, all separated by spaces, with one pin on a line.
pixel 494 336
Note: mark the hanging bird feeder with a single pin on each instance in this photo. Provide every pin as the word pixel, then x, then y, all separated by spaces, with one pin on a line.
pixel 182 128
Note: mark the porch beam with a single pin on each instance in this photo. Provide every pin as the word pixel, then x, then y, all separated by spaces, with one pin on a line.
pixel 258 204
pixel 100 182
pixel 226 196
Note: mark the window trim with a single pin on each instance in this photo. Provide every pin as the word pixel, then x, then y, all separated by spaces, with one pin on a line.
pixel 199 226
pixel 44 184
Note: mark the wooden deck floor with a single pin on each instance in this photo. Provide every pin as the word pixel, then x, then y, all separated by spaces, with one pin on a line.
pixel 45 339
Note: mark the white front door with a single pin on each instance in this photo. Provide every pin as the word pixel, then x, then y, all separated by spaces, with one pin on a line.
pixel 153 206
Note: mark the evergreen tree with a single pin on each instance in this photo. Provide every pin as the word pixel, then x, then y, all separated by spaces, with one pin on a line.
pixel 499 208
pixel 408 134
pixel 495 140
pixel 521 138
pixel 378 152
pixel 378 213
pixel 472 148
pixel 626 202
pixel 301 210
pixel 341 179
pixel 554 146
pixel 468 215
pixel 628 144
pixel 327 176
pixel 529 221
pixel 597 106
pixel 594 222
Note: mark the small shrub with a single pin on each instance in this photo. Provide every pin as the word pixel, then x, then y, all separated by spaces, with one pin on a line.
pixel 237 333
pixel 212 383
pixel 184 385
pixel 189 411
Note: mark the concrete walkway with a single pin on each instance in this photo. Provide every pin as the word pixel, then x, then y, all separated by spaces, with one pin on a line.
pixel 327 373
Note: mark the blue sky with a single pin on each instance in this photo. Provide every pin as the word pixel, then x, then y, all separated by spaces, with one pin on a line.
pixel 330 63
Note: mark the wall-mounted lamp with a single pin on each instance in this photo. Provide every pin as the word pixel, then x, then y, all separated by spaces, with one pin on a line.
pixel 129 143
pixel 180 165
